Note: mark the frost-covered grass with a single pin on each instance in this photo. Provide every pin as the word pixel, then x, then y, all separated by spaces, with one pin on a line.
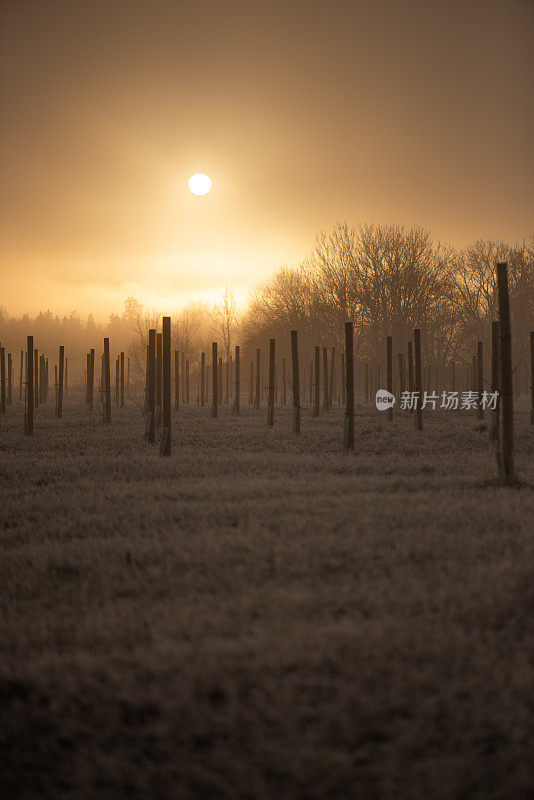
pixel 261 616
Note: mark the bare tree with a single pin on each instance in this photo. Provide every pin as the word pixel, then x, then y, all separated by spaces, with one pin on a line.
pixel 225 318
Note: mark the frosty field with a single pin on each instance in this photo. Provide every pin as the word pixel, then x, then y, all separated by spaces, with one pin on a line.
pixel 261 616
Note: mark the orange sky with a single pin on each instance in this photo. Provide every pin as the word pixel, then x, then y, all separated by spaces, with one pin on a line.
pixel 302 113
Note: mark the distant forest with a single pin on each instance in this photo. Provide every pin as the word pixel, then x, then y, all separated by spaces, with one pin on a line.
pixel 384 278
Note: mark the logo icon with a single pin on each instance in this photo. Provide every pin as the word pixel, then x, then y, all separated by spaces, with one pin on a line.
pixel 384 400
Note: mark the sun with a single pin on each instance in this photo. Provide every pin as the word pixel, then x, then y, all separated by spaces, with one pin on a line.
pixel 200 183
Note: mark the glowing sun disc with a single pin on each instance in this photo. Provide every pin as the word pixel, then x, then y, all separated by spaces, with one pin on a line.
pixel 200 183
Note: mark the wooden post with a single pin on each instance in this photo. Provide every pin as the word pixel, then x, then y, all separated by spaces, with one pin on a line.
pixel 389 373
pixel 59 409
pixel 21 374
pixel 117 380
pixel 165 447
pixel 9 380
pixel 159 377
pixel 284 383
pixel 214 388
pixel 151 387
pixel 332 377
pixel 257 395
pixel 325 379
pixel 177 380
pixel 494 424
pixel 187 381
pixel 3 379
pixel 507 394
pixel 270 410
pixel 122 380
pixel 317 380
pixel 36 378
pixel 202 379
pixel 237 380
pixel 348 431
pixel 91 377
pixel 532 377
pixel 418 415
pixel 107 381
pixel 480 378
pixel 28 427
pixel 296 381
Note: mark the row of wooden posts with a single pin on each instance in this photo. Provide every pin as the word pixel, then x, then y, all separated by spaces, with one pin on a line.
pixel 157 403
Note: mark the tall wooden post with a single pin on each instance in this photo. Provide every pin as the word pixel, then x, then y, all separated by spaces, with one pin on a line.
pixel 480 379
pixel 59 409
pixel 214 388
pixel 296 381
pixel 159 377
pixel 494 424
pixel 107 381
pixel 257 399
pixel 418 415
pixel 151 387
pixel 507 394
pixel 21 374
pixel 270 410
pixel 348 431
pixel 187 381
pixel 28 428
pixel 317 379
pixel 325 379
pixel 36 378
pixel 122 380
pixel 202 379
pixel 165 448
pixel 176 380
pixel 237 379
pixel 9 380
pixel 3 379
pixel 389 374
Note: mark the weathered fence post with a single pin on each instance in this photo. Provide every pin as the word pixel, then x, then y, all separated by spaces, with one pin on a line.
pixel 177 380
pixel 159 377
pixel 165 444
pixel 325 379
pixel 59 408
pixel 389 373
pixel 215 391
pixel 28 417
pixel 150 430
pixel 348 430
pixel 257 399
pixel 418 416
pixel 296 381
pixel 270 410
pixel 122 380
pixel 107 381
pixel 494 424
pixel 507 394
pixel 480 379
pixel 21 375
pixel 317 381
pixel 237 379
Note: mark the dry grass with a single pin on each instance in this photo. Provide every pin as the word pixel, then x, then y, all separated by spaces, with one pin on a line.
pixel 263 617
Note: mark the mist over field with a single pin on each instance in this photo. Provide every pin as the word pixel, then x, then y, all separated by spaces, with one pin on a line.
pixel 266 400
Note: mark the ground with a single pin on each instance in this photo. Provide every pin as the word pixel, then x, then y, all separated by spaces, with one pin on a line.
pixel 262 616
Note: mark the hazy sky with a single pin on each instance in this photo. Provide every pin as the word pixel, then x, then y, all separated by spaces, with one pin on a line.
pixel 302 113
